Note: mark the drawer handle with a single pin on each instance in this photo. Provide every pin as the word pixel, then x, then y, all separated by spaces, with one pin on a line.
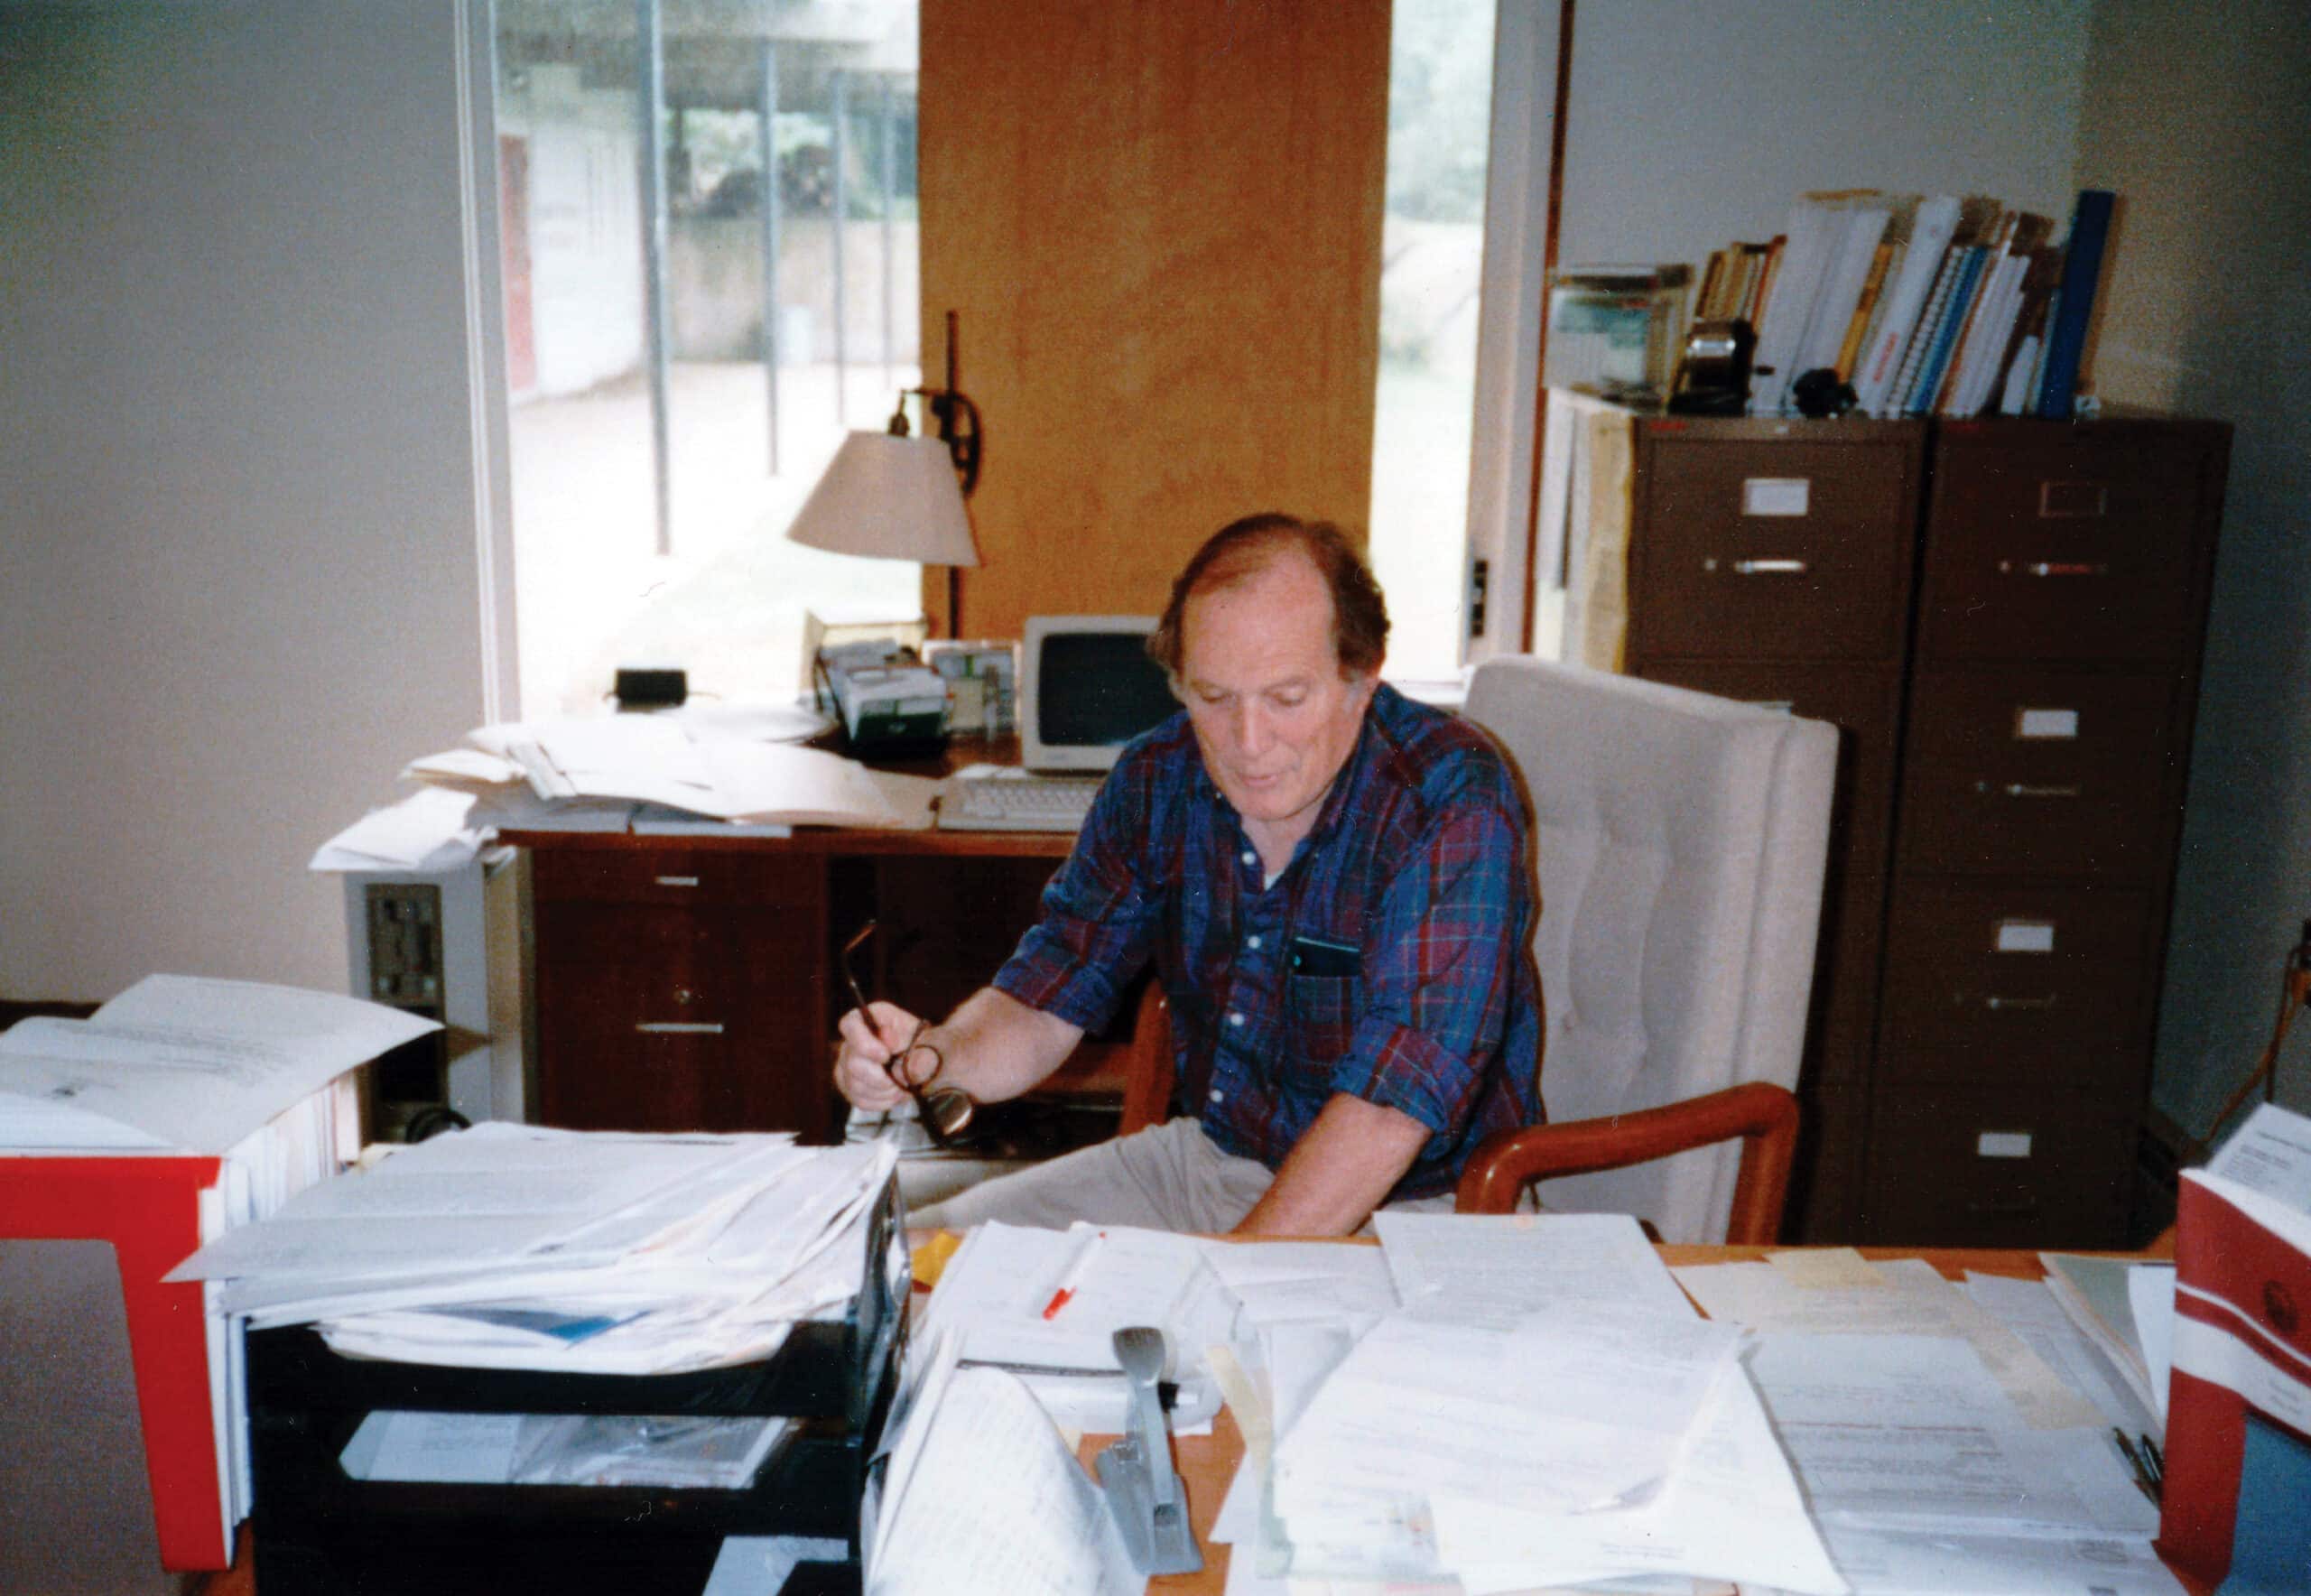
pixel 1769 568
pixel 677 880
pixel 679 1028
pixel 2054 567
pixel 2027 790
pixel 1999 1005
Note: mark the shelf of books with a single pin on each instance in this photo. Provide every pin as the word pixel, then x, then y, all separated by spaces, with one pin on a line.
pixel 1949 306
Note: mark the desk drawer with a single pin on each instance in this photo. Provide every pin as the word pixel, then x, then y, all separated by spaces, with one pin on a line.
pixel 2038 772
pixel 2027 986
pixel 656 1018
pixel 2067 546
pixel 674 877
pixel 1994 1168
pixel 1799 551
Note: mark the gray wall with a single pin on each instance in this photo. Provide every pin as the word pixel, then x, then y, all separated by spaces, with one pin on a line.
pixel 238 579
pixel 1689 125
pixel 2198 113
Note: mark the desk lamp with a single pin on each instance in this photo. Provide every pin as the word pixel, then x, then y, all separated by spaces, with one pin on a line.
pixel 891 496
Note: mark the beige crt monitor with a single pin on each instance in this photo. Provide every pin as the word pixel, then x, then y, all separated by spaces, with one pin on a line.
pixel 1086 688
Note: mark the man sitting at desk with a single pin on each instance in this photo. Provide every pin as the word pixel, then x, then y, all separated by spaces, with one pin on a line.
pixel 1332 881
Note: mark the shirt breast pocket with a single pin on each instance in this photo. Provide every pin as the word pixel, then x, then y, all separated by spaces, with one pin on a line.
pixel 1322 1012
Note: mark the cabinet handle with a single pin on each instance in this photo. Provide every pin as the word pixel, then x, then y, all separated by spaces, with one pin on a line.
pixel 1768 568
pixel 2054 567
pixel 1999 1004
pixel 679 1028
pixel 677 880
pixel 2026 790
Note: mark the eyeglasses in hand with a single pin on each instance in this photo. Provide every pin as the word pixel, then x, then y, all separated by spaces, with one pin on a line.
pixel 945 1111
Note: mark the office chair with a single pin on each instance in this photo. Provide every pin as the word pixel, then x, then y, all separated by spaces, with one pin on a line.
pixel 1681 842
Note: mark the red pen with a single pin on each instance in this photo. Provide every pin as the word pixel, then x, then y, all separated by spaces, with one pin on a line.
pixel 1065 1294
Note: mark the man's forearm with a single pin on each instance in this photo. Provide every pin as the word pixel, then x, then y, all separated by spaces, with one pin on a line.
pixel 1341 1168
pixel 994 1047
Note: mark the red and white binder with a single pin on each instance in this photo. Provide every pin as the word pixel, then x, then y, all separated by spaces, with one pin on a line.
pixel 2236 1513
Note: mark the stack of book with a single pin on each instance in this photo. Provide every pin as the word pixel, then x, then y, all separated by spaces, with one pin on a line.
pixel 1947 306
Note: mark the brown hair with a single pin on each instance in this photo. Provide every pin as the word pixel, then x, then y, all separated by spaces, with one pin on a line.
pixel 1244 548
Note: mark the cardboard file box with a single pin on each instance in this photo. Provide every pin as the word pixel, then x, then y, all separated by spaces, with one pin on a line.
pixel 321 1532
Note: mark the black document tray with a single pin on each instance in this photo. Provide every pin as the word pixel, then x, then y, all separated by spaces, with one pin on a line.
pixel 319 1532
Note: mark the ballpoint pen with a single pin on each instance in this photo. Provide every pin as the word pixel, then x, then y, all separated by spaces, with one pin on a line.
pixel 1065 1290
pixel 2144 1480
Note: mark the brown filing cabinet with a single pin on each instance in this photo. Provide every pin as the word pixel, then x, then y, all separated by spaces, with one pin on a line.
pixel 1773 560
pixel 2004 619
pixel 2062 603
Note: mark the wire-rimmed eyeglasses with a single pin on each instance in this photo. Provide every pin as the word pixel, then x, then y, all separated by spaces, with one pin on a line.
pixel 945 1111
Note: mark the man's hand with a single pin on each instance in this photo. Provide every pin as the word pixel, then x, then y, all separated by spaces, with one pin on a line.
pixel 993 1046
pixel 1341 1168
pixel 871 1038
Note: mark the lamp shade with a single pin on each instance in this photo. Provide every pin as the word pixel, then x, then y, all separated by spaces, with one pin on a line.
pixel 889 498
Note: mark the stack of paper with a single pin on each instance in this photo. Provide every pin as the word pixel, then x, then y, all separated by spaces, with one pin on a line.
pixel 1545 1410
pixel 258 1076
pixel 1045 1305
pixel 1936 1452
pixel 516 1247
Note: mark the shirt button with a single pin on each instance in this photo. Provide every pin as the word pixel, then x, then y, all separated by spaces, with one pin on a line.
pixel 1216 1094
pixel 1252 942
pixel 1235 1017
pixel 1249 858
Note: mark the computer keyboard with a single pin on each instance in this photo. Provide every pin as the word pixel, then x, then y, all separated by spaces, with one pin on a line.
pixel 1013 800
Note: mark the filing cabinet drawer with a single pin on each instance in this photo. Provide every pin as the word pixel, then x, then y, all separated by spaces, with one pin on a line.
pixel 1998 1169
pixel 1798 553
pixel 2037 772
pixel 2078 544
pixel 2029 986
pixel 672 876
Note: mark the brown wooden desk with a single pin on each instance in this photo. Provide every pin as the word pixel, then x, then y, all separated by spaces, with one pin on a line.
pixel 690 981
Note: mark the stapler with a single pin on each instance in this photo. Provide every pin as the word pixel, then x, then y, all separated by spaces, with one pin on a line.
pixel 1143 1491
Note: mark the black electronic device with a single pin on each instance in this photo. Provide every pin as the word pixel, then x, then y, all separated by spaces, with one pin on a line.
pixel 1713 377
pixel 651 688
pixel 321 1532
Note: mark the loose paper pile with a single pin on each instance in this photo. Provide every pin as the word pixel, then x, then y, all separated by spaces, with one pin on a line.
pixel 1937 1452
pixel 516 1247
pixel 689 770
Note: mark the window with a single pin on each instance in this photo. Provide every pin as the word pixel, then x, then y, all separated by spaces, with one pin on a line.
pixel 653 476
pixel 1470 104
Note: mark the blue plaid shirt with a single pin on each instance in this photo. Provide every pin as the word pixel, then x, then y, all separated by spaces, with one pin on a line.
pixel 1390 960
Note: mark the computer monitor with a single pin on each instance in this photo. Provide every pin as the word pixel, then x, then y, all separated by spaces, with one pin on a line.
pixel 1086 688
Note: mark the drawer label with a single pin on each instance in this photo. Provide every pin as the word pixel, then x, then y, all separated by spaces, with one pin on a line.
pixel 2025 936
pixel 2002 1144
pixel 2069 501
pixel 2046 723
pixel 1776 495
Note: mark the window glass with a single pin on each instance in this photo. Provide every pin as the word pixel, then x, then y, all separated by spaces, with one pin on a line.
pixel 1440 100
pixel 649 510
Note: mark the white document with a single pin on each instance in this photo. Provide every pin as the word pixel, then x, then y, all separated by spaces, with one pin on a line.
pixel 1497 1269
pixel 1922 1563
pixel 1732 1512
pixel 993 1292
pixel 199 1065
pixel 994 1504
pixel 431 830
pixel 1835 1292
pixel 1560 1415
pixel 2030 1310
pixel 1914 1433
pixel 2271 1154
pixel 2150 1293
pixel 1295 1282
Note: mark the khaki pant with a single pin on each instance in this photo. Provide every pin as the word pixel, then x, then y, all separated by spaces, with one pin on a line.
pixel 1169 1177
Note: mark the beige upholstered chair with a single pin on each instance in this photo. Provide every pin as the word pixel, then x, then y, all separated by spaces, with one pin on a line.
pixel 1681 842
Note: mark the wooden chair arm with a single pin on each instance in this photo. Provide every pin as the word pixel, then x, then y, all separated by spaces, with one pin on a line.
pixel 1147 1069
pixel 1764 1117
